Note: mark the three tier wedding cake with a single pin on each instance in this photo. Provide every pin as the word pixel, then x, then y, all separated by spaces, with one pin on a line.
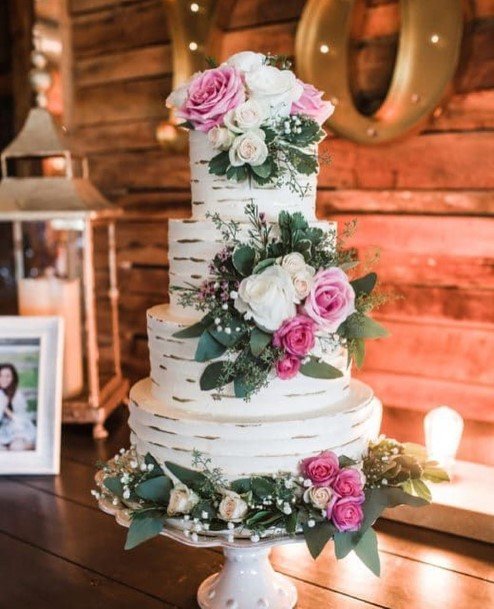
pixel 250 422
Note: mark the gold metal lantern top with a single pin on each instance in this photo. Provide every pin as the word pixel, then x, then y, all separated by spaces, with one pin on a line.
pixel 72 225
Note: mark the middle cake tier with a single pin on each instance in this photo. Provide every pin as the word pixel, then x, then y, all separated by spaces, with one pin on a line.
pixel 175 378
pixel 193 244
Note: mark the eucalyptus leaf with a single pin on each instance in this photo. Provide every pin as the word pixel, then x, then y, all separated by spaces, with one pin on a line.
pixel 264 170
pixel 229 339
pixel 208 348
pixel 114 485
pixel 259 340
pixel 421 489
pixel 358 351
pixel 155 489
pixel 318 536
pixel 196 329
pixel 435 474
pixel 264 264
pixel 142 529
pixel 320 370
pixel 361 326
pixel 244 258
pixel 219 164
pixel 242 388
pixel 365 284
pixel 190 477
pixel 367 551
pixel 213 376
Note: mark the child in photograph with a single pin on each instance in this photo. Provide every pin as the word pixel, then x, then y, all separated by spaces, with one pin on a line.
pixel 17 431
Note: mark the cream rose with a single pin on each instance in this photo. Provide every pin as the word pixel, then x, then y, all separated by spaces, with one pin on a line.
pixel 274 89
pixel 293 263
pixel 245 117
pixel 319 496
pixel 302 281
pixel 268 298
pixel 232 507
pixel 246 61
pixel 220 138
pixel 182 500
pixel 249 148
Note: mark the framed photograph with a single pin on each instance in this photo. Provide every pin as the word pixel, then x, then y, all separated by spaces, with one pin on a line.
pixel 31 358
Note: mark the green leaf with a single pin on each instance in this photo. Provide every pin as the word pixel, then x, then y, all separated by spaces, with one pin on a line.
pixel 358 351
pixel 219 164
pixel 190 477
pixel 257 517
pixel 421 489
pixel 142 529
pixel 262 487
pixel 435 474
pixel 204 506
pixel 365 284
pixel 320 370
pixel 264 264
pixel 157 469
pixel 237 173
pixel 361 326
pixel 241 486
pixel 344 543
pixel 344 461
pixel 318 536
pixel 229 340
pixel 259 340
pixel 155 489
pixel 244 257
pixel 291 523
pixel 114 486
pixel 367 551
pixel 196 329
pixel 242 388
pixel 264 170
pixel 214 376
pixel 208 348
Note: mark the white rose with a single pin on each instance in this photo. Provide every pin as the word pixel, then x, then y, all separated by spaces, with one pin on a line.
pixel 220 138
pixel 249 148
pixel 294 262
pixel 232 507
pixel 182 500
pixel 318 496
pixel 268 297
pixel 302 281
pixel 246 61
pixel 246 116
pixel 274 89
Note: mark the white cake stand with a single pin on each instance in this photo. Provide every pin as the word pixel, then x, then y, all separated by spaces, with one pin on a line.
pixel 247 579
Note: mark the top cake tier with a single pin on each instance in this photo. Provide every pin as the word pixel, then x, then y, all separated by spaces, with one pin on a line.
pixel 217 194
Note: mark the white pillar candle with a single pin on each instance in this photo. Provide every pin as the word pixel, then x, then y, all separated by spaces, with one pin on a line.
pixel 53 296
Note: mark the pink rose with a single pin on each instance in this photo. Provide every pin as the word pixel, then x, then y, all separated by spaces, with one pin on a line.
pixel 312 104
pixel 347 513
pixel 287 367
pixel 296 335
pixel 349 482
pixel 211 95
pixel 331 299
pixel 321 469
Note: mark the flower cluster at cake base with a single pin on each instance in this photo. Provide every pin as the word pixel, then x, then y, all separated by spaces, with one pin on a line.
pixel 279 302
pixel 263 122
pixel 331 497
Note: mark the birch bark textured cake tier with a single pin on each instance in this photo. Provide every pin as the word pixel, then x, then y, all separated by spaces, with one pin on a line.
pixel 251 360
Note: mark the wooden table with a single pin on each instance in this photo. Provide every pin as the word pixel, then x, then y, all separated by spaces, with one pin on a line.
pixel 57 550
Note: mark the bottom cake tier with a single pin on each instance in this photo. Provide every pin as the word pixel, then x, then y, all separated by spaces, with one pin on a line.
pixel 247 446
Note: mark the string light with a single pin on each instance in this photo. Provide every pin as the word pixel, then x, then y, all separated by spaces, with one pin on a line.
pixel 194 7
pixel 193 46
pixel 434 38
pixel 324 48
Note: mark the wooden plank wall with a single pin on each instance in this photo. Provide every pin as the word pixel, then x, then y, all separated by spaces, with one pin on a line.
pixel 427 200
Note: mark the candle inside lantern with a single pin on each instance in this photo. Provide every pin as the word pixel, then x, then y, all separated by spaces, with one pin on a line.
pixel 61 297
pixel 443 429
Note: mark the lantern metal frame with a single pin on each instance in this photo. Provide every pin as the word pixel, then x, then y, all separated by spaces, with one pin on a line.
pixel 73 200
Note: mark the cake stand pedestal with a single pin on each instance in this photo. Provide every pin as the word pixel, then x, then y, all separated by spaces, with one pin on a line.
pixel 247 579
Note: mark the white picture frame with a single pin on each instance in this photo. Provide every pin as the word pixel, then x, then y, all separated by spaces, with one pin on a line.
pixel 31 351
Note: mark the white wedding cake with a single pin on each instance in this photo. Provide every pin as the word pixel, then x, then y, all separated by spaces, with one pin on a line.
pixel 287 419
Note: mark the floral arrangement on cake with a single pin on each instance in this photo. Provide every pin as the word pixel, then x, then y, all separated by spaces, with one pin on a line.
pixel 264 122
pixel 331 498
pixel 278 303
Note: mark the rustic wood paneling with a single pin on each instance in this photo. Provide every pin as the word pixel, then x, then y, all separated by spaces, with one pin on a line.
pixel 427 201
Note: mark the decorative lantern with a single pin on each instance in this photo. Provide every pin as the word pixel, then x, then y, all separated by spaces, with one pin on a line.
pixel 65 262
